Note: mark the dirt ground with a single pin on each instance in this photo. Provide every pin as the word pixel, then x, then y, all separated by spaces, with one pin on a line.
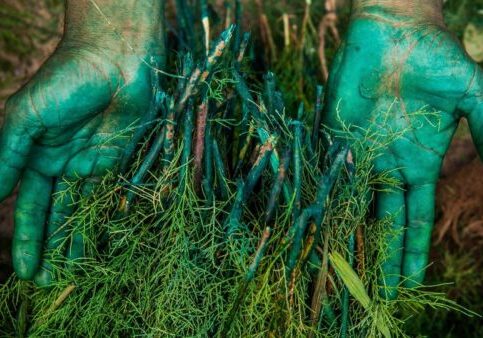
pixel 460 197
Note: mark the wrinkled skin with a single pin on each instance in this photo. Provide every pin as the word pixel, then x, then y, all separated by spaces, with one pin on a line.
pixel 74 119
pixel 398 59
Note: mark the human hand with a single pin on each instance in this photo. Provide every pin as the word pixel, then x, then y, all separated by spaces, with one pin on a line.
pixel 401 71
pixel 74 120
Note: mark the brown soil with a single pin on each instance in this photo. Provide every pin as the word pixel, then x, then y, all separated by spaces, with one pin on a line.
pixel 460 200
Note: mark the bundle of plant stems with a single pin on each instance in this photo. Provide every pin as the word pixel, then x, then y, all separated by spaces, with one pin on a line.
pixel 236 217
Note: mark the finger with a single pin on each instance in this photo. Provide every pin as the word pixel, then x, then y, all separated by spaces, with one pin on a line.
pixel 30 215
pixel 472 107
pixel 61 209
pixel 420 219
pixel 96 161
pixel 15 144
pixel 76 249
pixel 390 203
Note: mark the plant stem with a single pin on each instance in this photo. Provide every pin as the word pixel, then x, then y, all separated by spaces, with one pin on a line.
pixel 187 140
pixel 277 185
pixel 250 275
pixel 297 162
pixel 220 170
pixel 199 146
pixel 317 116
pixel 205 20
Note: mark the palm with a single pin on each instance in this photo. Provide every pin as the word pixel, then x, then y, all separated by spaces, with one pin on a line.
pixel 86 107
pixel 409 85
pixel 72 121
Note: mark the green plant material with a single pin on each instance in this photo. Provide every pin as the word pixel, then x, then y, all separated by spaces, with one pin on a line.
pixel 297 161
pixel 185 20
pixel 277 185
pixel 349 164
pixel 319 298
pixel 205 21
pixel 21 329
pixel 245 145
pixel 168 267
pixel 356 289
pixel 270 93
pixel 350 279
pixel 203 73
pixel 199 146
pixel 169 134
pixel 259 166
pixel 243 47
pixel 62 297
pixel 250 275
pixel 146 165
pixel 232 223
pixel 187 140
pixel 238 23
pixel 345 292
pixel 274 163
pixel 220 171
pixel 208 159
pixel 148 120
pixel 317 115
pixel 316 211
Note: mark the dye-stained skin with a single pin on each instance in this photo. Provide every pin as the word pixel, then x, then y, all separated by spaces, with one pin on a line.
pixel 401 74
pixel 65 123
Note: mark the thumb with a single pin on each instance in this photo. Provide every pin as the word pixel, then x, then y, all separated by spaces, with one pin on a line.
pixel 16 139
pixel 471 107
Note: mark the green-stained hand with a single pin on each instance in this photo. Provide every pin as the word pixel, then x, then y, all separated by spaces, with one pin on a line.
pixel 74 120
pixel 401 73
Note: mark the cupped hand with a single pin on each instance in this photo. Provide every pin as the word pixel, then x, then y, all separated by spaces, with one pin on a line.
pixel 409 81
pixel 72 121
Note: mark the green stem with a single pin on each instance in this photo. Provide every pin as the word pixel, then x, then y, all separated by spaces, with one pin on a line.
pixel 270 92
pixel 317 116
pixel 232 223
pixel 145 166
pixel 187 140
pixel 168 144
pixel 250 275
pixel 315 211
pixel 345 293
pixel 299 230
pixel 238 22
pixel 205 20
pixel 186 74
pixel 208 158
pixel 350 248
pixel 146 122
pixel 202 73
pixel 258 167
pixel 244 190
pixel 243 47
pixel 220 171
pixel 277 185
pixel 185 24
pixel 297 162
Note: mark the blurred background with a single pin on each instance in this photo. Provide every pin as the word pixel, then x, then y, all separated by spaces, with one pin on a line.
pixel 31 29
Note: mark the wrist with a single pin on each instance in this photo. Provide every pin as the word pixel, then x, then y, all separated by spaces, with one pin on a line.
pixel 406 11
pixel 124 26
